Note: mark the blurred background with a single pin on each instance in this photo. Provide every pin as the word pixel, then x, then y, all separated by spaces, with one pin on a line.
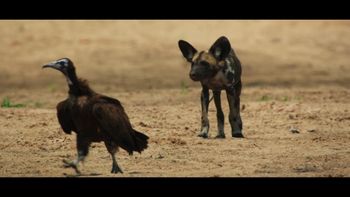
pixel 125 55
pixel 294 102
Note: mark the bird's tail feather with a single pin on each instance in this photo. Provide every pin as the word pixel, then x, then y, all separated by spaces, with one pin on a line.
pixel 141 141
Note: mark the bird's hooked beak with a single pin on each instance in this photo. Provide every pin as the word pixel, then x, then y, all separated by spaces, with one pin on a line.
pixel 58 66
pixel 54 65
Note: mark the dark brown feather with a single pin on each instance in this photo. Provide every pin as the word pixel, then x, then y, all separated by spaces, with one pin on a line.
pixel 96 117
pixel 64 118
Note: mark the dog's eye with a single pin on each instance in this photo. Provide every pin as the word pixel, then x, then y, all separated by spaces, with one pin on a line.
pixel 204 63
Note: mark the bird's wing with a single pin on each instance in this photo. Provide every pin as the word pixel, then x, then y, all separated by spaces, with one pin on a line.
pixel 64 117
pixel 114 122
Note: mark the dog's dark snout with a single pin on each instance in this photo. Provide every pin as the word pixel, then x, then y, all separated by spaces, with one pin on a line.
pixel 193 75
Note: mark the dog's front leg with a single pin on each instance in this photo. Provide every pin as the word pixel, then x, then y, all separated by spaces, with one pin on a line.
pixel 233 97
pixel 219 114
pixel 204 118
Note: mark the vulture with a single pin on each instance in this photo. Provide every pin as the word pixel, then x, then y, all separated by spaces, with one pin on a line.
pixel 94 118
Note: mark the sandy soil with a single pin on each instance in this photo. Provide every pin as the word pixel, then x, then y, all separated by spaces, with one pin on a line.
pixel 295 76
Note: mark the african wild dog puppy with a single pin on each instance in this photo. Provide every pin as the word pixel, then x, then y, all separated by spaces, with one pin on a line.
pixel 217 69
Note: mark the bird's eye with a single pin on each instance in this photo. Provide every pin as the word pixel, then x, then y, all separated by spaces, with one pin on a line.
pixel 62 63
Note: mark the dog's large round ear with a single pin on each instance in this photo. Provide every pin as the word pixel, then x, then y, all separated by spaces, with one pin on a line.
pixel 187 50
pixel 221 48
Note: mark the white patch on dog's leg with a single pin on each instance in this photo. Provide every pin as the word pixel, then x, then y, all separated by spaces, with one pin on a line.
pixel 205 121
pixel 205 130
pixel 205 124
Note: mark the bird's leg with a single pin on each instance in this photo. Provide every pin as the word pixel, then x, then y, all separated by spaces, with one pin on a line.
pixel 115 166
pixel 112 149
pixel 74 164
pixel 83 150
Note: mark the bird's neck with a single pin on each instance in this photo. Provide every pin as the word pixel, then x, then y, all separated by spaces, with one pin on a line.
pixel 78 87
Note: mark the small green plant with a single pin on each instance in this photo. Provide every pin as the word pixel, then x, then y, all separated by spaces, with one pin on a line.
pixel 265 98
pixel 299 98
pixel 184 87
pixel 285 98
pixel 6 103
pixel 38 104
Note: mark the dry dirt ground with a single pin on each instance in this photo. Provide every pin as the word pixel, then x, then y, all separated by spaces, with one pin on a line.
pixel 295 76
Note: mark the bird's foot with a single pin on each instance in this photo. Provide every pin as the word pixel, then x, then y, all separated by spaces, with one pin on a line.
pixel 71 164
pixel 116 169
